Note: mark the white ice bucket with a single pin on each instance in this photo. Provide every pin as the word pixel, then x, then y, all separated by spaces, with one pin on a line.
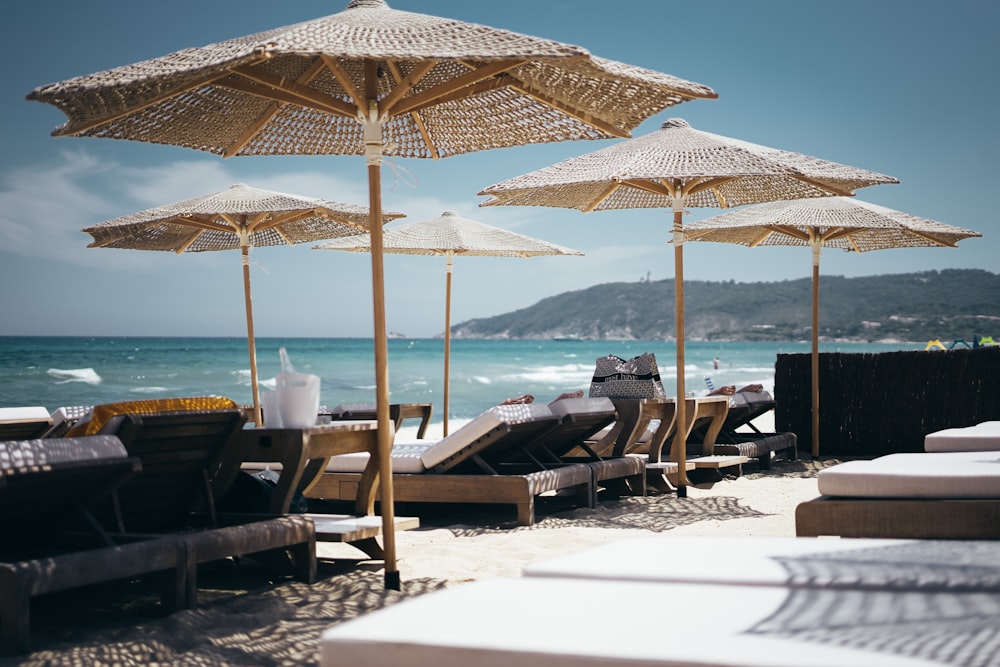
pixel 297 399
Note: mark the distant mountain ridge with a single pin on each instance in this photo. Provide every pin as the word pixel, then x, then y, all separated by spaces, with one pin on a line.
pixel 948 305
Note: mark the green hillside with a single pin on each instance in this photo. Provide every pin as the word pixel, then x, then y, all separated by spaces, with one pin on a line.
pixel 946 305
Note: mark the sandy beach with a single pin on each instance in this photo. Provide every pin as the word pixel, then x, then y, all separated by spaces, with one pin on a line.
pixel 247 618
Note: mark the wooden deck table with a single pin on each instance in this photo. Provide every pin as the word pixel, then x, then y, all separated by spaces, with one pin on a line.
pixel 303 454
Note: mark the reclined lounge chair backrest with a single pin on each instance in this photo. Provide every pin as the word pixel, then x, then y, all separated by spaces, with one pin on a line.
pixel 48 484
pixel 579 419
pixel 489 437
pixel 100 414
pixel 180 452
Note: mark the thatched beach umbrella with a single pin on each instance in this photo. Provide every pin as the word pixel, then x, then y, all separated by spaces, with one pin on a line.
pixel 676 167
pixel 239 217
pixel 451 235
pixel 369 81
pixel 831 222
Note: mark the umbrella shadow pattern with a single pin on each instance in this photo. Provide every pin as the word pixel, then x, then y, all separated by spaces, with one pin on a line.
pixel 655 513
pixel 927 599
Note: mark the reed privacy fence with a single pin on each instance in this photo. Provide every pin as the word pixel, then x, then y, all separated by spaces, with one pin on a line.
pixel 875 404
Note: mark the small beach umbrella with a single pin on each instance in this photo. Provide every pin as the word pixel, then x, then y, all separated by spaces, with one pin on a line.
pixel 832 222
pixel 238 217
pixel 369 81
pixel 676 167
pixel 451 235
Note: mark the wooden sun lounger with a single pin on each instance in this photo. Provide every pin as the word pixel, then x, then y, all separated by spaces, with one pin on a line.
pixel 744 407
pixel 52 541
pixel 578 420
pixel 173 495
pixel 953 495
pixel 627 437
pixel 466 476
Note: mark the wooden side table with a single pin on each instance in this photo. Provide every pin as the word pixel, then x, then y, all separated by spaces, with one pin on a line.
pixel 304 454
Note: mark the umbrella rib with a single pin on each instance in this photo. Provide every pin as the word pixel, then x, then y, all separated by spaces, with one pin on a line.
pixel 278 88
pixel 933 239
pixel 344 79
pixel 607 192
pixel 823 186
pixel 695 186
pixel 268 114
pixel 790 230
pixel 550 101
pixel 433 95
pixel 404 85
pixel 648 186
pixel 84 127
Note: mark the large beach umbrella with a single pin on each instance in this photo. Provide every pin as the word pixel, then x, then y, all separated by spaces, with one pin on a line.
pixel 369 81
pixel 676 167
pixel 831 222
pixel 238 217
pixel 450 235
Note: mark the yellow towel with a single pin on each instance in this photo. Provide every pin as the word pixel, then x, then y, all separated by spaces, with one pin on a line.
pixel 100 415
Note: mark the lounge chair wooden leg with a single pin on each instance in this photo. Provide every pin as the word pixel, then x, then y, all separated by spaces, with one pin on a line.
pixel 526 513
pixel 15 613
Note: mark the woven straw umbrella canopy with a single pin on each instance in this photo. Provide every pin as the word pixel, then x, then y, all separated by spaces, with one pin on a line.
pixel 451 235
pixel 675 167
pixel 238 217
pixel 831 222
pixel 369 81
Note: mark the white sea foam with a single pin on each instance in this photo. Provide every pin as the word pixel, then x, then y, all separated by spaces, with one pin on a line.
pixel 566 373
pixel 482 379
pixel 148 390
pixel 86 375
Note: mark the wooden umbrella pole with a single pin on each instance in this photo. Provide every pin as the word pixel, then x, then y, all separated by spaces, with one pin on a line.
pixel 373 153
pixel 251 341
pixel 679 446
pixel 815 348
pixel 447 342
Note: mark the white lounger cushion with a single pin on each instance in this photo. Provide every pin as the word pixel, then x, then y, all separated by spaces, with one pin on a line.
pixel 703 559
pixel 418 456
pixel 480 426
pixel 864 563
pixel 916 475
pixel 27 413
pixel 978 438
pixel 406 458
pixel 547 622
pixel 582 406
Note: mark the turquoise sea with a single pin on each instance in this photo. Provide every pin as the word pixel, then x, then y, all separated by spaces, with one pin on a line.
pixel 67 371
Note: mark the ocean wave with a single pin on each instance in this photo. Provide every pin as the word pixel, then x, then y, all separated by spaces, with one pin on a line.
pixel 566 373
pixel 148 390
pixel 86 375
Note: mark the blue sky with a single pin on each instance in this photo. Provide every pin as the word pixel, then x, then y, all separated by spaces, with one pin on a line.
pixel 903 87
